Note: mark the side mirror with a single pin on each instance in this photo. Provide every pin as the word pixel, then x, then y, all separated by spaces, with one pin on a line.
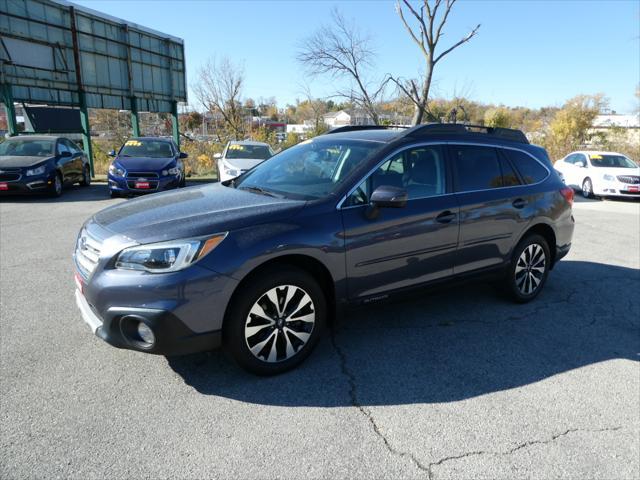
pixel 112 153
pixel 387 196
pixel 65 154
pixel 581 164
pixel 217 155
pixel 183 155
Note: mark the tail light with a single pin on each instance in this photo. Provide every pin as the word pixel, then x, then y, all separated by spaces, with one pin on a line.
pixel 568 193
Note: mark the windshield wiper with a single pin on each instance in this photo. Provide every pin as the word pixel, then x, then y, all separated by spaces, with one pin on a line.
pixel 259 190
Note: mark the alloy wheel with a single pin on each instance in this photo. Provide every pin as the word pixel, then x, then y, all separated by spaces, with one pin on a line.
pixel 530 269
pixel 57 185
pixel 279 323
pixel 586 188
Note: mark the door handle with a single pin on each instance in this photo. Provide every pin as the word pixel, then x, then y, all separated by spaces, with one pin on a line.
pixel 519 203
pixel 445 217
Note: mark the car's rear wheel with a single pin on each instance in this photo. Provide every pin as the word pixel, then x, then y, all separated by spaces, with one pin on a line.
pixel 56 186
pixel 587 188
pixel 86 177
pixel 529 268
pixel 275 321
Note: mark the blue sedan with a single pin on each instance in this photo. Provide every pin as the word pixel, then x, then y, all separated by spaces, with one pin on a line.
pixel 146 165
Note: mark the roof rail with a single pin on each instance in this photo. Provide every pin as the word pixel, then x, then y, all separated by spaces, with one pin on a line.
pixel 429 129
pixel 355 128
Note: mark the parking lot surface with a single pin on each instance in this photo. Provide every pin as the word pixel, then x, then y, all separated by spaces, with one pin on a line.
pixel 458 383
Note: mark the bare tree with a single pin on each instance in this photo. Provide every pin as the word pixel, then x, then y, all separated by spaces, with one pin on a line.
pixel 430 18
pixel 342 51
pixel 219 90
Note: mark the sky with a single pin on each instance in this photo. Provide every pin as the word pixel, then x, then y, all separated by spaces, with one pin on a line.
pixel 529 53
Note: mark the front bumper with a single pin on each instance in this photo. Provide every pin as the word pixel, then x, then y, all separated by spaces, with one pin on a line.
pixel 617 189
pixel 28 185
pixel 126 186
pixel 118 326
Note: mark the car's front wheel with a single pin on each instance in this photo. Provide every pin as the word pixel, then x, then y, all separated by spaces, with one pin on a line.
pixel 587 188
pixel 275 321
pixel 56 186
pixel 529 268
pixel 86 177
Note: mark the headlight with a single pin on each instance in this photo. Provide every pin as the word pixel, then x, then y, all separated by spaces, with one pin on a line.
pixel 116 171
pixel 171 171
pixel 229 170
pixel 36 171
pixel 167 256
pixel 609 178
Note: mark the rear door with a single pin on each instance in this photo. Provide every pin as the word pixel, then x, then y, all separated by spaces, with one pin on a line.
pixel 494 206
pixel 65 162
pixel 76 163
pixel 394 248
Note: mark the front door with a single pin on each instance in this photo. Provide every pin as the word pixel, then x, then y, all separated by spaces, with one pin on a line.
pixel 394 248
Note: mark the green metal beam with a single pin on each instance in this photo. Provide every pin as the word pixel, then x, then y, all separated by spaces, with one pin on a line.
pixel 135 120
pixel 86 130
pixel 7 99
pixel 175 126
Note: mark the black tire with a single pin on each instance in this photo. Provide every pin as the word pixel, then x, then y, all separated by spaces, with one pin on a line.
pixel 86 176
pixel 114 194
pixel 183 182
pixel 523 272
pixel 274 331
pixel 587 188
pixel 56 186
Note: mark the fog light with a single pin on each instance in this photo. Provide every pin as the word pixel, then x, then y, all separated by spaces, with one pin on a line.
pixel 146 334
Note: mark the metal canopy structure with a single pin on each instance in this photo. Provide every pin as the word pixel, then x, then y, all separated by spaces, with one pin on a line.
pixel 61 54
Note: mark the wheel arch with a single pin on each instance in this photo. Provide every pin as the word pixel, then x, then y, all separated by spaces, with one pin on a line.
pixel 307 263
pixel 547 232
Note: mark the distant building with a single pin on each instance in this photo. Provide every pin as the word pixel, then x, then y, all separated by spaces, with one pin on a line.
pixel 617 129
pixel 337 119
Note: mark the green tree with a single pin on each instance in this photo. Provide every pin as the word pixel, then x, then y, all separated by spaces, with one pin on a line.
pixel 498 117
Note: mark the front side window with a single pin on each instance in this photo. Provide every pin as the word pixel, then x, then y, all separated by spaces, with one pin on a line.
pixel 530 169
pixel 419 170
pixel 309 170
pixel 25 147
pixel 611 161
pixel 62 148
pixel 478 168
pixel 146 149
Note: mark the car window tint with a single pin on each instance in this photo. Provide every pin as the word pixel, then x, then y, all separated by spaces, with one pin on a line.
pixel 62 147
pixel 570 159
pixel 509 175
pixel 71 146
pixel 420 171
pixel 478 168
pixel 530 169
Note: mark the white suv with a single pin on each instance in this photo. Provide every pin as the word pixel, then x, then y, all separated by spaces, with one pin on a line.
pixel 240 156
pixel 600 174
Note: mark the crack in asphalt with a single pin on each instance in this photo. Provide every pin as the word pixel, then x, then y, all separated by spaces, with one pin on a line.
pixel 353 395
pixel 520 446
pixel 428 469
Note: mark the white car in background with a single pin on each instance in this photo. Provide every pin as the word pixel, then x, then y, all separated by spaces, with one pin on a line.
pixel 600 174
pixel 240 156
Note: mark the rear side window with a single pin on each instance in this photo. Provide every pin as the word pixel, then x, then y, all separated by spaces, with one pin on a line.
pixel 530 169
pixel 509 175
pixel 478 168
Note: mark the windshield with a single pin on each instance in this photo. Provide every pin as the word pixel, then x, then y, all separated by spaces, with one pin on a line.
pixel 257 152
pixel 612 161
pixel 26 147
pixel 310 170
pixel 146 148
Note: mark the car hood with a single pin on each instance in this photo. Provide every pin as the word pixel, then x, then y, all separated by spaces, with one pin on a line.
pixel 11 161
pixel 193 212
pixel 243 163
pixel 143 164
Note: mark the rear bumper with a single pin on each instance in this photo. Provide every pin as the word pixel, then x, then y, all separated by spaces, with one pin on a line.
pixel 561 252
pixel 118 327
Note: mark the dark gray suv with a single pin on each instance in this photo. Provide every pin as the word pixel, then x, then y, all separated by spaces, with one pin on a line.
pixel 258 264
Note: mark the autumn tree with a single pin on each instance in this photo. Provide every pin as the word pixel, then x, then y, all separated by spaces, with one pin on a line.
pixel 498 117
pixel 425 27
pixel 219 90
pixel 341 51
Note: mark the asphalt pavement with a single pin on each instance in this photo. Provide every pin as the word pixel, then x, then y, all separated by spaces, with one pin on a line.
pixel 457 383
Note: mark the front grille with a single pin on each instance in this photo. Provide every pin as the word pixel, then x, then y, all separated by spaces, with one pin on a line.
pixel 152 185
pixel 136 175
pixel 9 175
pixel 631 179
pixel 87 253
